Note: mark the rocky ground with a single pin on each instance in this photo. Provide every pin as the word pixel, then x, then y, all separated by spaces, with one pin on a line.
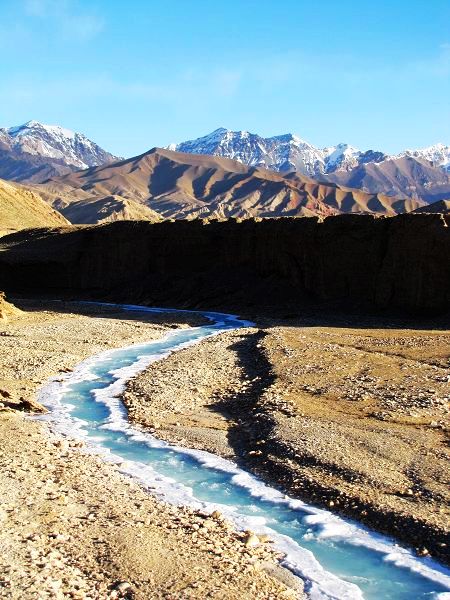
pixel 353 417
pixel 74 527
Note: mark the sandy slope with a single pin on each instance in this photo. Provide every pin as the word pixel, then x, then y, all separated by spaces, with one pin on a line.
pixel 72 527
pixel 106 210
pixel 21 207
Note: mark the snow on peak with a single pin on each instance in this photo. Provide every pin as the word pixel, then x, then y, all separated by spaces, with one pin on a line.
pixel 438 155
pixel 29 126
pixel 281 153
pixel 59 143
pixel 288 152
pixel 61 131
pixel 341 157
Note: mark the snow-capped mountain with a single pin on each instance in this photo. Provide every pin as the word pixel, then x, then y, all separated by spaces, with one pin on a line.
pixel 57 142
pixel 290 153
pixel 280 153
pixel 342 156
pixel 34 152
pixel 421 174
pixel 438 155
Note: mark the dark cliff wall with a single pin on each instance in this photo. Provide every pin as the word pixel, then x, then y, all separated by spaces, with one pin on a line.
pixel 349 260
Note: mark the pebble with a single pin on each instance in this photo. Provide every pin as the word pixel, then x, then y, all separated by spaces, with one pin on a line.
pixel 122 587
pixel 251 539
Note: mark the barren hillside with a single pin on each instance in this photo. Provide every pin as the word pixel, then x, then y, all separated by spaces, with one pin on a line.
pixel 178 185
pixel 21 207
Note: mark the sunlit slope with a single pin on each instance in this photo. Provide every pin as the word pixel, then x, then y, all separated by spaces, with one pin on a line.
pixel 179 185
pixel 21 207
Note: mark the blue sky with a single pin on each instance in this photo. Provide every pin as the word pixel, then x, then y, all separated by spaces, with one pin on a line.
pixel 139 73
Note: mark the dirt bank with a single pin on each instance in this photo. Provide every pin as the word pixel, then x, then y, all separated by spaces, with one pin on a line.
pixel 351 418
pixel 73 527
pixel 399 263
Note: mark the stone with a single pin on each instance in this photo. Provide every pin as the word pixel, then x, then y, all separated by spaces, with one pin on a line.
pixel 31 405
pixel 251 539
pixel 63 445
pixel 123 587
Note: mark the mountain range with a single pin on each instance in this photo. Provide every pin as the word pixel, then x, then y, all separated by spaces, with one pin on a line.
pixel 165 184
pixel 35 152
pixel 223 174
pixel 421 174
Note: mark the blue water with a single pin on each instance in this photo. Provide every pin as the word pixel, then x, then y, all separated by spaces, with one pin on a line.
pixel 350 557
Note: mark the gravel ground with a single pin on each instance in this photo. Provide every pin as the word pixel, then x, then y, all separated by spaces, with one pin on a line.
pixel 73 526
pixel 352 418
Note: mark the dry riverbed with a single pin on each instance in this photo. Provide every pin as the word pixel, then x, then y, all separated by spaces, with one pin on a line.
pixel 74 527
pixel 354 418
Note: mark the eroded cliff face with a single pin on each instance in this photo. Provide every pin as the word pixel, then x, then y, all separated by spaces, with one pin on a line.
pixel 347 260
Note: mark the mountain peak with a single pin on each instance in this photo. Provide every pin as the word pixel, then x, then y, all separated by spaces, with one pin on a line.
pixel 288 152
pixel 32 123
pixel 221 130
pixel 52 147
pixel 437 146
pixel 438 154
pixel 289 138
pixel 36 126
pixel 283 153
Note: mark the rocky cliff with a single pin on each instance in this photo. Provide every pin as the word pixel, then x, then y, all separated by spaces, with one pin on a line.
pixel 347 260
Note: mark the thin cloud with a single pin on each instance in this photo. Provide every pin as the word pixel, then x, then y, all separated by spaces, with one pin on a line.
pixel 226 82
pixel 439 65
pixel 66 16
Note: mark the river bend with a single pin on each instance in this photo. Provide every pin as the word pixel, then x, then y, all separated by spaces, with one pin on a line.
pixel 337 558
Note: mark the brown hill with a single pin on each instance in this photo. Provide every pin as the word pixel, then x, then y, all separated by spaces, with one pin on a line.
pixel 105 210
pixel 406 176
pixel 442 206
pixel 178 185
pixel 21 207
